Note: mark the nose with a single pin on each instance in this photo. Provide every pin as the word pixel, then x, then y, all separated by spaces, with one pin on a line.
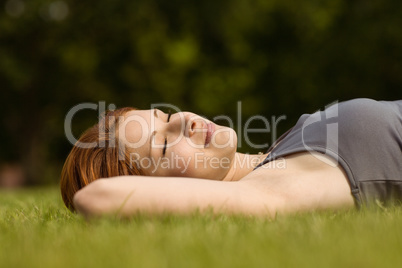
pixel 178 123
pixel 186 123
pixel 196 125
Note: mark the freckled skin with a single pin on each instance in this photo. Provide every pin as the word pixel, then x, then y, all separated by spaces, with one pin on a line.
pixel 186 154
pixel 171 185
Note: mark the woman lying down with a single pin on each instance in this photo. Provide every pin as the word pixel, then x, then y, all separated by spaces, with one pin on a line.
pixel 147 161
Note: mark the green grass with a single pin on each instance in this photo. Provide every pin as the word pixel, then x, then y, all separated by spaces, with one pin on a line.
pixel 37 231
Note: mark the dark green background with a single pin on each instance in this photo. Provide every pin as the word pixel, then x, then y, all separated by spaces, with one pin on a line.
pixel 278 57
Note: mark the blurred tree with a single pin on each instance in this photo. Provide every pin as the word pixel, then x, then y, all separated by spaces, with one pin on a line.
pixel 276 56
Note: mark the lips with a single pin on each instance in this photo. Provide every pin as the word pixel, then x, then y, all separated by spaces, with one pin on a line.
pixel 210 132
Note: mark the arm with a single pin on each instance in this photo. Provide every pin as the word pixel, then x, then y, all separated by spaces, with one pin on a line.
pixel 305 184
pixel 127 195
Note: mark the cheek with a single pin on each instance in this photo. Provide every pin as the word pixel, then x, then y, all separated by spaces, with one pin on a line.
pixel 186 151
pixel 204 167
pixel 184 163
pixel 187 161
pixel 180 160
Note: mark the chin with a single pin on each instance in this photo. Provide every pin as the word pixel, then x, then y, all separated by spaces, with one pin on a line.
pixel 226 137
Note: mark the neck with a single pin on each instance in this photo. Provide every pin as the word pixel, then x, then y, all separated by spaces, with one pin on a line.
pixel 242 165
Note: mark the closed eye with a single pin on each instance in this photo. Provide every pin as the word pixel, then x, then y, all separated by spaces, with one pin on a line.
pixel 164 147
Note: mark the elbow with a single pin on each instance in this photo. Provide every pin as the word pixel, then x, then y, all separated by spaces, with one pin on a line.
pixel 80 201
pixel 88 201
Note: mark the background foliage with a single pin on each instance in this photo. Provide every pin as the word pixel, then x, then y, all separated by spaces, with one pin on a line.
pixel 275 56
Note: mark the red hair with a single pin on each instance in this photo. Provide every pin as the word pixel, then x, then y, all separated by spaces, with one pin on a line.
pixel 104 159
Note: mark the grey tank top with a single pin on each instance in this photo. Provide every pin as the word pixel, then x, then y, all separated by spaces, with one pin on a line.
pixel 364 136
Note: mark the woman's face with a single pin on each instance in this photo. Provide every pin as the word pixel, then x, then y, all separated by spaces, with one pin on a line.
pixel 182 144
